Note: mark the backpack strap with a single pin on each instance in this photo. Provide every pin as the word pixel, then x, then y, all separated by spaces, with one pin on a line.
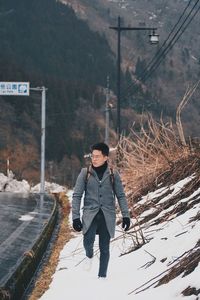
pixel 112 179
pixel 88 173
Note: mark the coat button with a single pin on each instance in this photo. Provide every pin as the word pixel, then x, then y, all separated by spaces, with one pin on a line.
pixel 100 196
pixel 100 185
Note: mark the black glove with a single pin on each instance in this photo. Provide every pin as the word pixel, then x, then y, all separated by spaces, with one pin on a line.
pixel 126 223
pixel 77 225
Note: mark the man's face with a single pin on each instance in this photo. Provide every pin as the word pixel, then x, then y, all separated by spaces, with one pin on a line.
pixel 98 159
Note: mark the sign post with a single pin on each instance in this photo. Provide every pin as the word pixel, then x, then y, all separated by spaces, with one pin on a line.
pixel 23 89
pixel 43 130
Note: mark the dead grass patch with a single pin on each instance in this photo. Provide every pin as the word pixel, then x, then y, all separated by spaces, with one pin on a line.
pixel 186 266
pixel 150 156
pixel 191 291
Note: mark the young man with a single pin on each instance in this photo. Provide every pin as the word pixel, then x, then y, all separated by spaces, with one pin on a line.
pixel 99 205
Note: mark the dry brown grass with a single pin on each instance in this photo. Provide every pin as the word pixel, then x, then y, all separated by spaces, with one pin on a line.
pixel 64 234
pixel 145 155
pixel 156 155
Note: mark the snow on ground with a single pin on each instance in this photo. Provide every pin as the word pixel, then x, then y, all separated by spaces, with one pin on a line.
pixel 27 218
pixel 133 271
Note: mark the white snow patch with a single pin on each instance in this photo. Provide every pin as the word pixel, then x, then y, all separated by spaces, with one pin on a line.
pixel 26 218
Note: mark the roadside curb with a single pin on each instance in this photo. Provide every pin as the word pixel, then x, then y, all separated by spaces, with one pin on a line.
pixel 16 285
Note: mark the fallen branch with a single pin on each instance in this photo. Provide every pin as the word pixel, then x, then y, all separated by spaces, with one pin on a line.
pixel 148 264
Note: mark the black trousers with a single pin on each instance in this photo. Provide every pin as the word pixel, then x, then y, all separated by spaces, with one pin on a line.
pixel 98 225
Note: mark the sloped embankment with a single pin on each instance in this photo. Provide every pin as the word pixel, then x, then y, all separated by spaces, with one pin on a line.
pixel 165 206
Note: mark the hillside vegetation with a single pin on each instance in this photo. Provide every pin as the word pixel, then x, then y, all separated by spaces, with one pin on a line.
pixel 44 43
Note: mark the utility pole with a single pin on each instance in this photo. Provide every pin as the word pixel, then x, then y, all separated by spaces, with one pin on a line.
pixel 119 78
pixel 43 130
pixel 107 110
pixel 153 40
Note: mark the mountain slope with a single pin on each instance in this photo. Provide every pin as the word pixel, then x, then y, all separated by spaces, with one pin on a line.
pixel 45 43
pixel 178 70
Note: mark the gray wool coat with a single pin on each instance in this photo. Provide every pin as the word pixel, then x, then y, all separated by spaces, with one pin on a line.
pixel 98 195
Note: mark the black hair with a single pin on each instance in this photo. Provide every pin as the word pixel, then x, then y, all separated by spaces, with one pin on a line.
pixel 101 147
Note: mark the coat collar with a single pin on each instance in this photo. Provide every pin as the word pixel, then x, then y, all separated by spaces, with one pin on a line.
pixel 105 175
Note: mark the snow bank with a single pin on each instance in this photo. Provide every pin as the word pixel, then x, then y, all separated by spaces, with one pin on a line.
pixel 9 184
pixel 49 188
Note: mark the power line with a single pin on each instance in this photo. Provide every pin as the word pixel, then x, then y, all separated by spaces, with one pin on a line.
pixel 176 37
pixel 160 56
pixel 164 43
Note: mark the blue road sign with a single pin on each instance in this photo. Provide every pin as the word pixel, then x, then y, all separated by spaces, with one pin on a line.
pixel 14 88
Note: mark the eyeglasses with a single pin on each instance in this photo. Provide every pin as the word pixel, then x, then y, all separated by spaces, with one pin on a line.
pixel 95 156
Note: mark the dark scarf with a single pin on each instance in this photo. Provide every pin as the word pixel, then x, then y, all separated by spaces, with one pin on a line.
pixel 100 170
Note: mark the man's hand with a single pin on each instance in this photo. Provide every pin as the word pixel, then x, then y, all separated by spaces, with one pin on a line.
pixel 77 225
pixel 126 223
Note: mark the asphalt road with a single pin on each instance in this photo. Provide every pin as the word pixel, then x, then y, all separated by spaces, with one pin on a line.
pixel 22 219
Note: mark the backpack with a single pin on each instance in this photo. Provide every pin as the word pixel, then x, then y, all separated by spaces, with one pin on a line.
pixel 112 177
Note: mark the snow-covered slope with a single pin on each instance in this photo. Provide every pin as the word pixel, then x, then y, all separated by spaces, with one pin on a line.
pixel 158 258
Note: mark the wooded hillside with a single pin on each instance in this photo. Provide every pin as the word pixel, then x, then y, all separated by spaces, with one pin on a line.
pixel 43 42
